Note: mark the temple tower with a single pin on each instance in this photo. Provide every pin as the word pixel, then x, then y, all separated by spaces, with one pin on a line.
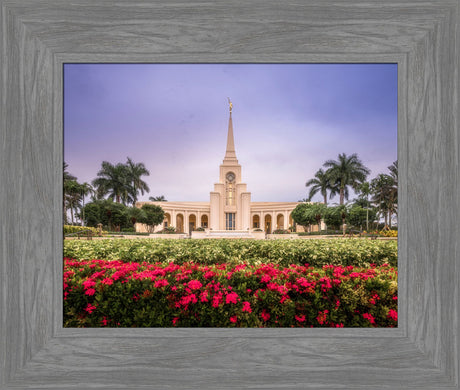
pixel 230 201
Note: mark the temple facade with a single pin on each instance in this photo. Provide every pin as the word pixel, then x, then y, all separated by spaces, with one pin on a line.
pixel 229 207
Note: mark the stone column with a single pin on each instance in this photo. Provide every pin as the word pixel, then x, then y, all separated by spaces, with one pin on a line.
pixel 173 218
pixel 186 227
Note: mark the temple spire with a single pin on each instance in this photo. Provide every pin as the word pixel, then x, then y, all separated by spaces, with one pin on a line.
pixel 230 154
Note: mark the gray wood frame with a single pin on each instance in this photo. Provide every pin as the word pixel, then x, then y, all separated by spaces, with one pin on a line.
pixel 38 36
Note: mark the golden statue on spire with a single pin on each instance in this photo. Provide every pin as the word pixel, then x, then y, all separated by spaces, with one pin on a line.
pixel 230 104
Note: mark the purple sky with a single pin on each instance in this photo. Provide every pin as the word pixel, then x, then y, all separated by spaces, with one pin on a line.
pixel 288 120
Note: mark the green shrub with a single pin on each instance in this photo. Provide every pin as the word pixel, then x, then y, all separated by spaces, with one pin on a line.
pixel 281 231
pixel 168 230
pixel 70 229
pixel 316 252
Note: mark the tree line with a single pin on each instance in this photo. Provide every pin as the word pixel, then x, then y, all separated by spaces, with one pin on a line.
pixel 377 198
pixel 115 188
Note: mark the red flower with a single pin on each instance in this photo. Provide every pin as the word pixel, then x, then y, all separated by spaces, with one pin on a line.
pixel 107 281
pixel 265 278
pixel 284 298
pixel 393 315
pixel 204 296
pixel 90 308
pixel 265 316
pixel 161 283
pixel 90 291
pixel 195 284
pixel 233 319
pixel 209 274
pixel 247 307
pixel 232 298
pixel 370 317
pixel 88 283
pixel 300 318
pixel 217 299
pixel 322 317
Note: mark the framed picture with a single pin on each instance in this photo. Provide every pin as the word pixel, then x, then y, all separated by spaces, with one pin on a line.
pixel 40 36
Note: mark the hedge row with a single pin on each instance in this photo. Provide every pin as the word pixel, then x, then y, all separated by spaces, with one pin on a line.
pixel 317 253
pixel 101 293
pixel 68 229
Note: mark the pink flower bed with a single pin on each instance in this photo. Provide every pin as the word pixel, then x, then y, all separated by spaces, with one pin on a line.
pixel 102 293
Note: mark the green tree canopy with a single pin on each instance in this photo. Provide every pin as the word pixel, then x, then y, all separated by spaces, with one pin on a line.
pixel 72 198
pixel 359 216
pixel 114 181
pixel 384 196
pixel 109 213
pixel 136 214
pixel 345 172
pixel 302 215
pixel 135 171
pixel 316 212
pixel 160 198
pixel 335 216
pixel 154 215
pixel 321 183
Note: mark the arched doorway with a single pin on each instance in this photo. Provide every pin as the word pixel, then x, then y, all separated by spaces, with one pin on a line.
pixel 204 221
pixel 180 223
pixel 191 223
pixel 280 221
pixel 256 222
pixel 268 224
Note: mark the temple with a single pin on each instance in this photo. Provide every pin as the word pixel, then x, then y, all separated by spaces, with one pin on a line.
pixel 229 210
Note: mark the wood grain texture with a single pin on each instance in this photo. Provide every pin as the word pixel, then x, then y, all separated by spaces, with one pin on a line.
pixel 38 36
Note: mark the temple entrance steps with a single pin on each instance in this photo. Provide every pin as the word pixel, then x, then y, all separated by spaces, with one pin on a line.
pixel 258 235
pixel 229 234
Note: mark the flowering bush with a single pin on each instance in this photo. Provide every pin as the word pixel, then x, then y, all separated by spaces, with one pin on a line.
pixel 389 233
pixel 102 293
pixel 384 233
pixel 317 253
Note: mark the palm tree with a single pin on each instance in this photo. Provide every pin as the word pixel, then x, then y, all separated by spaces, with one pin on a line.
pixel 72 197
pixel 115 181
pixel 393 168
pixel 85 189
pixel 67 177
pixel 365 190
pixel 382 190
pixel 347 171
pixel 160 198
pixel 135 171
pixel 321 183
